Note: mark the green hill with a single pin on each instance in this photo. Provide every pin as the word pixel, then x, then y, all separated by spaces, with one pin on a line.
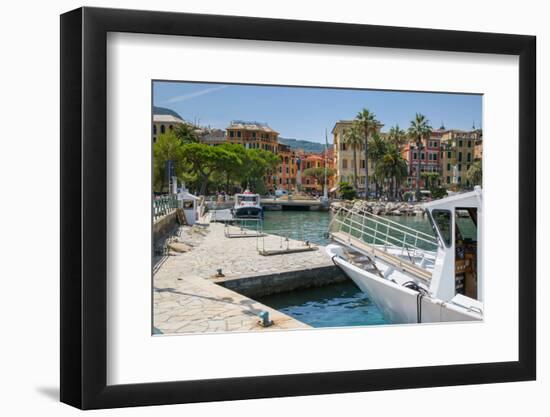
pixel 306 145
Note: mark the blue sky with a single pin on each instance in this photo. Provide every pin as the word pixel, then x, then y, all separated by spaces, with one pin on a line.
pixel 305 113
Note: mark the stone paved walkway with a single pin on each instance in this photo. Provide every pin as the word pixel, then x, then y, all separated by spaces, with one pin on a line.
pixel 186 298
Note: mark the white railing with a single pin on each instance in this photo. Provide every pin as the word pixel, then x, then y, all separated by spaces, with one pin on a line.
pixel 372 229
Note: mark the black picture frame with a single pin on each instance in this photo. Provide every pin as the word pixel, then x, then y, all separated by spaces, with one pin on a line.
pixel 84 207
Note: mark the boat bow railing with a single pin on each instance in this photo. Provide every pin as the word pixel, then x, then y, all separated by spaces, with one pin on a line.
pixel 356 226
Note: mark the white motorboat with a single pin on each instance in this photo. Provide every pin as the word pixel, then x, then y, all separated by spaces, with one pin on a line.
pixel 413 276
pixel 247 205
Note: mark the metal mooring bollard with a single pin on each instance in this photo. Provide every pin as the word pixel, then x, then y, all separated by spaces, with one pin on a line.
pixel 264 319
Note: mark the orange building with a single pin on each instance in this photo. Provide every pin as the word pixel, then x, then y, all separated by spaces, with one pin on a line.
pixel 253 135
pixel 311 184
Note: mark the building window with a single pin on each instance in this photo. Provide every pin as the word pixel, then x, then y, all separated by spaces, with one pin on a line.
pixel 459 180
pixel 344 163
pixel 448 180
pixel 231 133
pixel 239 134
pixel 460 167
pixel 287 170
pixel 448 167
pixel 362 164
pixel 154 129
pixel 460 144
pixel 468 157
pixel 414 156
pixel 460 157
pixel 343 146
pixel 253 134
pixel 162 129
pixel 449 154
pixel 422 156
pixel 469 144
pixel 170 127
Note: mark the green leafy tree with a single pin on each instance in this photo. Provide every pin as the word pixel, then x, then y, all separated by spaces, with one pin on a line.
pixel 353 138
pixel 318 173
pixel 202 160
pixel 430 179
pixel 419 130
pixel 367 120
pixel 257 165
pixel 167 148
pixel 347 192
pixel 475 173
pixel 230 171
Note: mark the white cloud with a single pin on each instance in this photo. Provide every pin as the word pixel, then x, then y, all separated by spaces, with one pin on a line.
pixel 199 93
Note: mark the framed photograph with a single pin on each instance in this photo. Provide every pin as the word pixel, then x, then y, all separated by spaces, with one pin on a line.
pixel 257 208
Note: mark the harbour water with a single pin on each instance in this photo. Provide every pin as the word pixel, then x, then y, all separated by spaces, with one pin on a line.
pixel 313 225
pixel 335 305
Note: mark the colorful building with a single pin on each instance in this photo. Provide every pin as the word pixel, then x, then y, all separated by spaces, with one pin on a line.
pixel 427 154
pixel 343 158
pixel 457 154
pixel 253 135
pixel 315 185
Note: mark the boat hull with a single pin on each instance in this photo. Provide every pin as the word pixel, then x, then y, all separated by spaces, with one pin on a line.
pixel 248 212
pixel 400 304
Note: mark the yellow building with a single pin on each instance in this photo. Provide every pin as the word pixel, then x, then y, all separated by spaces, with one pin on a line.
pixel 457 155
pixel 343 158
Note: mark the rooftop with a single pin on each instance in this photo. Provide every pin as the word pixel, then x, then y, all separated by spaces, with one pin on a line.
pixel 250 125
pixel 166 118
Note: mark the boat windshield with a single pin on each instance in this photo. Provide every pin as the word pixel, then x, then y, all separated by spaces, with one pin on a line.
pixel 249 198
pixel 441 220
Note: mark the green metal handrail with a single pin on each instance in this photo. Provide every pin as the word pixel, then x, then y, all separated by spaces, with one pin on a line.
pixel 164 205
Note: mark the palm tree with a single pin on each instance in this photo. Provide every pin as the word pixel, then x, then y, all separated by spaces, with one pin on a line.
pixel 397 136
pixel 352 138
pixel 377 149
pixel 186 133
pixel 392 165
pixel 369 124
pixel 419 129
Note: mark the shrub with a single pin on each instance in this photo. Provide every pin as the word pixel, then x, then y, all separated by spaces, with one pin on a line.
pixel 346 191
pixel 438 193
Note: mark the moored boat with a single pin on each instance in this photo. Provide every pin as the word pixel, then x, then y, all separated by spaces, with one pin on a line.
pixel 247 205
pixel 412 276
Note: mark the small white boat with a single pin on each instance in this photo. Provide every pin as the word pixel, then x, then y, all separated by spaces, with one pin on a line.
pixel 413 276
pixel 247 205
